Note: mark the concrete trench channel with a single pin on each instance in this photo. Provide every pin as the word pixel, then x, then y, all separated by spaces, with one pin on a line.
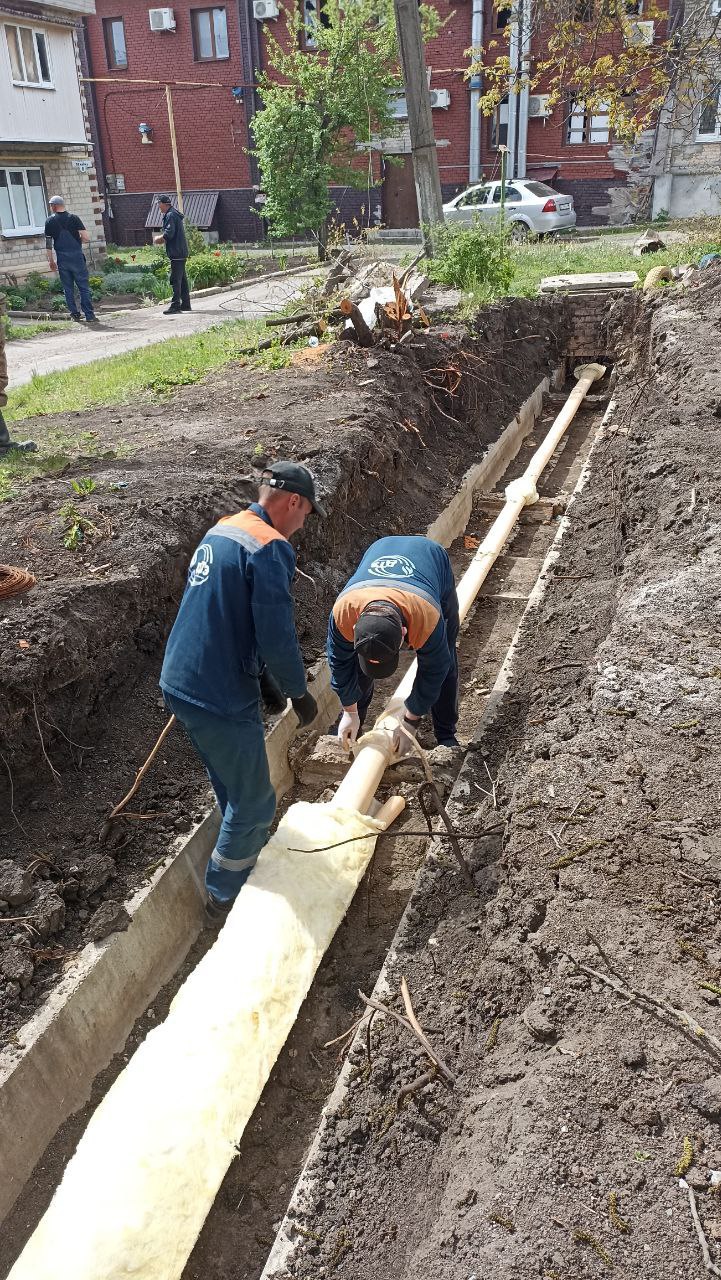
pixel 250 1231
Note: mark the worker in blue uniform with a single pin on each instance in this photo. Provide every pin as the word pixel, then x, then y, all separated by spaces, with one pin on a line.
pixel 234 630
pixel 402 592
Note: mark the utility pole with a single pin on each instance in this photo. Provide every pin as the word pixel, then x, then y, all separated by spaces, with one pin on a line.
pixel 420 120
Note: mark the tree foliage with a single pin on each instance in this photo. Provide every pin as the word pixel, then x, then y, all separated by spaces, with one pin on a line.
pixel 596 51
pixel 318 105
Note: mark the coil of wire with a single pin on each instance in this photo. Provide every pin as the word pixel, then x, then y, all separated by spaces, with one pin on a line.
pixel 13 582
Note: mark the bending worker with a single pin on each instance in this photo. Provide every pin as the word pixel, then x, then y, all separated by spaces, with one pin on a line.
pixel 402 592
pixel 235 616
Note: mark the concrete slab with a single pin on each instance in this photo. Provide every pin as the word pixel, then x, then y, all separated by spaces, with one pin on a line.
pixel 592 282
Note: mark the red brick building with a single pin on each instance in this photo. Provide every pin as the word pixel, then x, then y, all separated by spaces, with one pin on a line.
pixel 219 50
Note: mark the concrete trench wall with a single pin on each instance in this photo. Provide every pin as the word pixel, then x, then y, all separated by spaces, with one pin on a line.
pixel 86 1020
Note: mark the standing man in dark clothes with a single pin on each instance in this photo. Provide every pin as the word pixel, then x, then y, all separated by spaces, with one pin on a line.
pixel 27 446
pixel 65 236
pixel 176 247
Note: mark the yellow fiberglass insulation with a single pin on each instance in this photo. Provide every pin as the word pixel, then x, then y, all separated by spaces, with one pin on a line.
pixel 136 1193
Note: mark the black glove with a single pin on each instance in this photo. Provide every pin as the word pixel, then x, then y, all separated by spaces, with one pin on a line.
pixel 306 709
pixel 271 693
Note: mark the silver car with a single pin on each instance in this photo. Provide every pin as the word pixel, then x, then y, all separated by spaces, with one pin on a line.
pixel 530 207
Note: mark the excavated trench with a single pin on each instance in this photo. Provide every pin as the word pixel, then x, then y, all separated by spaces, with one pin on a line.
pixel 438 445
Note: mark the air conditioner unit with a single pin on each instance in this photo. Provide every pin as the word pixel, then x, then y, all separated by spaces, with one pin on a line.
pixel 640 33
pixel 161 19
pixel 265 9
pixel 440 97
pixel 538 105
pixel 715 8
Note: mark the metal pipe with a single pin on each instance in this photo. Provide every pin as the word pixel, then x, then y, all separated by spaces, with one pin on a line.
pixel 513 55
pixel 525 60
pixel 474 133
pixel 375 751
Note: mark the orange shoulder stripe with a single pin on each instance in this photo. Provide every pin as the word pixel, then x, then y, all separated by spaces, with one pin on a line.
pixel 250 523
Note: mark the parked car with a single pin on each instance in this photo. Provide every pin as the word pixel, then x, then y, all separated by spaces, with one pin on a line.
pixel 530 207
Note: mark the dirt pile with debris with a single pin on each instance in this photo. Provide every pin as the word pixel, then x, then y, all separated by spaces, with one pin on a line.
pixel 388 435
pixel 575 999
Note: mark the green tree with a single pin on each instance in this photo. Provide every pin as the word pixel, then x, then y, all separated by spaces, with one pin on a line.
pixel 322 109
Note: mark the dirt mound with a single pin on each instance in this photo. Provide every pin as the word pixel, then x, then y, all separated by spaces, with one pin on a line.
pixel 575 1108
pixel 388 435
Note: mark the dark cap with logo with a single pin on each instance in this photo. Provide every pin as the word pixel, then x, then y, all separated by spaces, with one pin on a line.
pixel 377 639
pixel 291 477
pixel 164 200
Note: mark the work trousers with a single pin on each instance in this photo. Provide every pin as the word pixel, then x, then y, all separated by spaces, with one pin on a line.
pixel 73 272
pixel 233 752
pixel 179 280
pixel 444 711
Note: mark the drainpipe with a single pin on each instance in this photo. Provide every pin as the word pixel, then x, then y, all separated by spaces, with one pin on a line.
pixel 524 10
pixel 513 54
pixel 474 136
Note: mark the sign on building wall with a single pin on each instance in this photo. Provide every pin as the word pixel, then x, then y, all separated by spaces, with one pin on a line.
pixel 84 166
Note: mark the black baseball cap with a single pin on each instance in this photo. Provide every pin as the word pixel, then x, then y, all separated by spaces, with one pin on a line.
pixel 164 200
pixel 292 478
pixel 377 639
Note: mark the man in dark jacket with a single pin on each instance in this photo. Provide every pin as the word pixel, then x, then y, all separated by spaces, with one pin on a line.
pixel 402 592
pixel 235 617
pixel 27 446
pixel 176 247
pixel 65 236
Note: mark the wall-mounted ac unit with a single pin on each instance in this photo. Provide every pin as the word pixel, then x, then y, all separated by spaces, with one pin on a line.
pixel 265 9
pixel 715 8
pixel 640 33
pixel 161 19
pixel 538 106
pixel 440 97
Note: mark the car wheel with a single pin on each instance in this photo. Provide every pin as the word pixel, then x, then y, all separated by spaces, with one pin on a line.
pixel 519 232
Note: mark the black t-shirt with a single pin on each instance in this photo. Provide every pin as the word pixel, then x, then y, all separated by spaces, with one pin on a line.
pixel 67 222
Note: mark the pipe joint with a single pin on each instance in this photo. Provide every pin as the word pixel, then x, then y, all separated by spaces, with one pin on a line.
pixel 522 490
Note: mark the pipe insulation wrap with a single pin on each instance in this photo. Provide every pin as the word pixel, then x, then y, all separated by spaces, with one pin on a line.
pixel 136 1193
pixel 522 490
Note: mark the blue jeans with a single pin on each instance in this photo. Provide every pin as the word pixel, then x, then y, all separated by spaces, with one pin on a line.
pixel 233 752
pixel 73 272
pixel 444 712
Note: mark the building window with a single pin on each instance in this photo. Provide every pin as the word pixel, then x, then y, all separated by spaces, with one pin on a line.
pixel 115 49
pixel 210 34
pixel 587 127
pixel 29 56
pixel 502 14
pixel 23 207
pixel 499 125
pixel 314 15
pixel 709 121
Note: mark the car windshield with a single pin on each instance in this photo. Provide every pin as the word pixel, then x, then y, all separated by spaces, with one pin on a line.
pixel 540 189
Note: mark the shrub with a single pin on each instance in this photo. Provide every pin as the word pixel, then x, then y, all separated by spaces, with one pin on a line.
pixel 207 269
pixel 196 242
pixel 15 302
pixel 471 258
pixel 130 282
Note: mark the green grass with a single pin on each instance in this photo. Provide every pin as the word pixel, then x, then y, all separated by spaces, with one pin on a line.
pixel 145 372
pixel 33 328
pixel 531 262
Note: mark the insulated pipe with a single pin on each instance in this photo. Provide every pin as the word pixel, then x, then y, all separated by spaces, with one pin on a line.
pixel 375 750
pixel 474 134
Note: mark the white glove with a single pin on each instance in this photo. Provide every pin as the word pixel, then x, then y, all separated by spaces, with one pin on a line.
pixel 404 735
pixel 348 729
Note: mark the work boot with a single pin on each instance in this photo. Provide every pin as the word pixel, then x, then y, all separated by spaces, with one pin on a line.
pixel 186 308
pixel 217 912
pixel 76 316
pixel 92 320
pixel 172 311
pixel 24 446
pixel 449 742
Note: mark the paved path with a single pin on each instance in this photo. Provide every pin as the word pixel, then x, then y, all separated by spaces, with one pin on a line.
pixel 127 330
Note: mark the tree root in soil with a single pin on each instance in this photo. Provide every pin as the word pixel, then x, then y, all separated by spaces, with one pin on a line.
pixel 705 1252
